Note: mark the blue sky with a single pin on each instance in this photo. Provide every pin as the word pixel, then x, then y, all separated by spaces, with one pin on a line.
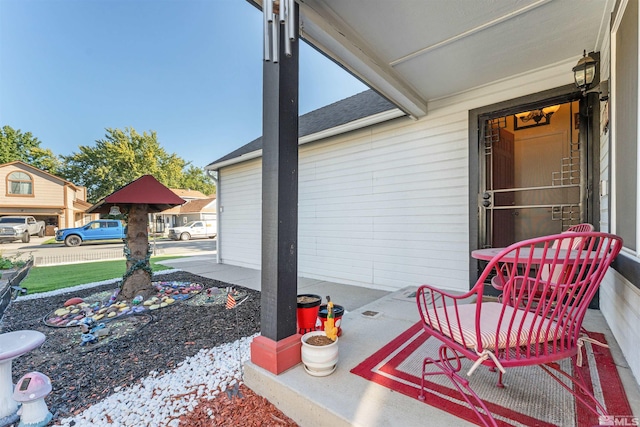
pixel 191 70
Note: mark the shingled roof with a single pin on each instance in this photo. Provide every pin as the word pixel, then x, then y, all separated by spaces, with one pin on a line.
pixel 356 107
pixel 193 206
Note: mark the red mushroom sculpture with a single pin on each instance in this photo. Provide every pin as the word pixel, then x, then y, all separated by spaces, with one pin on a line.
pixel 137 199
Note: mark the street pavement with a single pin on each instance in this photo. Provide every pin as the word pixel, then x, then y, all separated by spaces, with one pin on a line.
pixel 92 250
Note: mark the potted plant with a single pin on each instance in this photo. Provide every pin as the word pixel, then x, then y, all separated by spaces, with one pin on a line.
pixel 320 348
pixel 307 312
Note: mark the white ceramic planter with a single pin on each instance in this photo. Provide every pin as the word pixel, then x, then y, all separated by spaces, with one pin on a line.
pixel 319 361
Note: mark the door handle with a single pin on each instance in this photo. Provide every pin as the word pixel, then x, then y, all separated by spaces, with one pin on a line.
pixel 486 199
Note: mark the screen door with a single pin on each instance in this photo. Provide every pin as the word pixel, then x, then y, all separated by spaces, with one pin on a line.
pixel 532 180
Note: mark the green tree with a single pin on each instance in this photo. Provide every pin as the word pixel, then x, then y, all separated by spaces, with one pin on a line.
pixel 15 145
pixel 124 156
pixel 195 178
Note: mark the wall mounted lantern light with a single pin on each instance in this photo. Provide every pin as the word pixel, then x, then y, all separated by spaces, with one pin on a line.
pixel 584 72
pixel 539 117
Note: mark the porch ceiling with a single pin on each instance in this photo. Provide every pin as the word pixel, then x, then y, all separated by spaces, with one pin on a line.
pixel 416 51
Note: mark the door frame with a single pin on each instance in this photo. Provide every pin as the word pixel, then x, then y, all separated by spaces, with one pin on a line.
pixel 589 128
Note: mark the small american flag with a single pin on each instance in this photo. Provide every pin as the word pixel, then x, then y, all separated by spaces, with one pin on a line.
pixel 231 302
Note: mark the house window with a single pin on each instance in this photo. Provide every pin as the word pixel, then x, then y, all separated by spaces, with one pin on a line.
pixel 624 110
pixel 19 183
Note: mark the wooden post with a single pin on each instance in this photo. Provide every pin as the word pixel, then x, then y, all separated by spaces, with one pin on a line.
pixel 278 347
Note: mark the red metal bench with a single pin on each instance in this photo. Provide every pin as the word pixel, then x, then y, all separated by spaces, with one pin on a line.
pixel 537 322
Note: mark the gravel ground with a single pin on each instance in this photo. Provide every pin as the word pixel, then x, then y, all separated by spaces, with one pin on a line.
pixel 179 355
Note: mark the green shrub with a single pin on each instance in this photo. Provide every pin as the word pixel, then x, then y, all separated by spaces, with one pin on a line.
pixel 7 263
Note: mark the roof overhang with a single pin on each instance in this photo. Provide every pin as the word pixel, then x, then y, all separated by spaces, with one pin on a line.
pixel 414 53
pixel 335 39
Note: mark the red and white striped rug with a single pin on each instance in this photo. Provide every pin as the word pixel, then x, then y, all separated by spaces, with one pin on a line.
pixel 530 398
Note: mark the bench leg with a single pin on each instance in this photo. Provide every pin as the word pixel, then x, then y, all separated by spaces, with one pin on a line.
pixel 580 391
pixel 449 365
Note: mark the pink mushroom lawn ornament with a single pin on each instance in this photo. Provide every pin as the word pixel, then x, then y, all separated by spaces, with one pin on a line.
pixel 31 391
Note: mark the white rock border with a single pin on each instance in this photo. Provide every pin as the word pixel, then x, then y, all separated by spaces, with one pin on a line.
pixel 159 400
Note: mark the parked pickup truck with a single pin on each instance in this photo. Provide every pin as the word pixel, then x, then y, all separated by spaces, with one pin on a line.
pixel 194 230
pixel 103 229
pixel 14 228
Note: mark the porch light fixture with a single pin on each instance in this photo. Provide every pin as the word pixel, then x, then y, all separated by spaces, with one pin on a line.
pixel 532 118
pixel 115 210
pixel 278 13
pixel 584 72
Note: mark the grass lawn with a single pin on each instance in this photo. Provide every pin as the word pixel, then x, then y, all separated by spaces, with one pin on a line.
pixel 50 278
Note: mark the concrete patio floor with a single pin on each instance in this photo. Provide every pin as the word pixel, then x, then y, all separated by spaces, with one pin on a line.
pixel 345 399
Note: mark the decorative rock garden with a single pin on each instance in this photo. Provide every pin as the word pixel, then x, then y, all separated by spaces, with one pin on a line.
pixel 78 312
pixel 108 382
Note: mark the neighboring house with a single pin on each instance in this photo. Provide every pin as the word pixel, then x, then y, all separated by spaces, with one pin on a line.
pixel 486 140
pixel 31 191
pixel 198 206
pixel 188 194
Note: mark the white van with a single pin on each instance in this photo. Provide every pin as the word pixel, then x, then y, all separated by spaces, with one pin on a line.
pixel 194 230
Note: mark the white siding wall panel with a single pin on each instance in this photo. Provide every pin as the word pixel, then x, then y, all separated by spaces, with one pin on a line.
pixel 620 305
pixel 377 204
pixel 619 299
pixel 241 215
pixel 385 206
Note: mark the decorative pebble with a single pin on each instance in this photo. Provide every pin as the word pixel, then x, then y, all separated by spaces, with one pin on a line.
pixel 207 373
pixel 73 301
pixel 76 309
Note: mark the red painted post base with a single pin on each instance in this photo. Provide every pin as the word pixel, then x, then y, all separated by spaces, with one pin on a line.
pixel 276 356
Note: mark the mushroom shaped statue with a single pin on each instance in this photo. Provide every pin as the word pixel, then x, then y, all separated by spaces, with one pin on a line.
pixel 31 391
pixel 137 199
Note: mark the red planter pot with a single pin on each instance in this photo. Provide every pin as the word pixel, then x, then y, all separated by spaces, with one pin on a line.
pixel 307 312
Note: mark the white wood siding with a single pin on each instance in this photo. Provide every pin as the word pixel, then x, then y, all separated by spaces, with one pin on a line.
pixel 620 306
pixel 385 206
pixel 619 299
pixel 240 213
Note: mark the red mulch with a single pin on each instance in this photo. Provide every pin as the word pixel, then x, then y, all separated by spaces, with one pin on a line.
pixel 250 410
